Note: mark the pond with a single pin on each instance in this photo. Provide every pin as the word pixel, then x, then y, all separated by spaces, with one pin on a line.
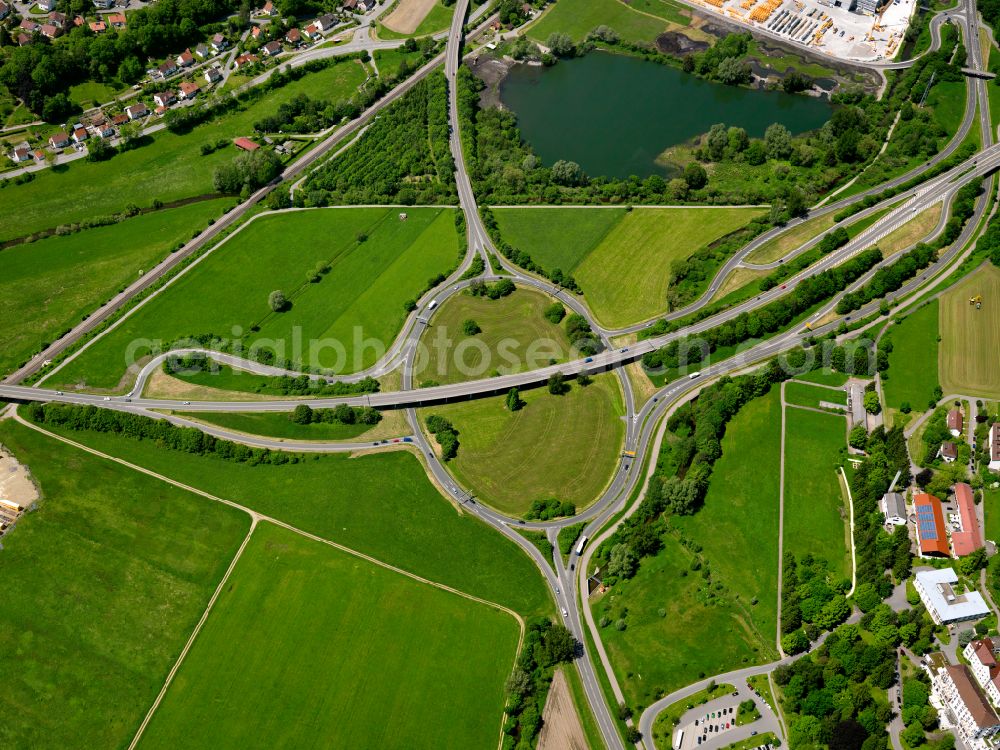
pixel 614 114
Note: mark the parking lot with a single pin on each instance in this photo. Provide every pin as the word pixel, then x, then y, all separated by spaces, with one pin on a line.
pixel 712 725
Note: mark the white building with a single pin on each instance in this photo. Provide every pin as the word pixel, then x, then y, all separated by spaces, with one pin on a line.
pixel 982 658
pixel 965 705
pixel 894 508
pixel 994 447
pixel 945 603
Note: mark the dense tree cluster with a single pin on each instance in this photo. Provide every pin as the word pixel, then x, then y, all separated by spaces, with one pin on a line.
pixel 161 432
pixel 581 336
pixel 889 278
pixel 546 510
pixel 502 288
pixel 768 319
pixel 810 597
pixel 340 414
pixel 876 550
pixel 546 644
pixel 445 434
pixel 555 275
pixel 404 157
pixel 41 74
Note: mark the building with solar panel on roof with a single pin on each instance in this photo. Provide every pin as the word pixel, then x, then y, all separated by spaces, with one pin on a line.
pixel 932 536
pixel 946 601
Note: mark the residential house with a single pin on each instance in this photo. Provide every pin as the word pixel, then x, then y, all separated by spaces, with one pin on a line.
pixel 945 602
pixel 23 39
pixel 350 5
pixel 994 446
pixel 80 134
pixel 982 657
pixel 104 4
pixel 203 51
pixel 4 10
pixel 98 27
pixel 49 31
pixel 119 120
pixel 366 5
pixel 272 48
pixel 189 90
pixel 79 21
pixel 58 20
pixel 219 42
pixel 168 68
pixel 256 33
pixel 185 59
pixel 164 98
pixel 212 75
pixel 246 144
pixel 47 5
pixel 955 422
pixel 137 111
pixel 103 128
pixel 326 22
pixel 39 156
pixel 969 538
pixel 966 707
pixel 311 32
pixel 28 26
pixel 117 20
pixel 932 537
pixel 59 140
pixel 160 111
pixel 894 509
pixel 20 154
pixel 294 37
pixel 948 451
pixel 268 10
pixel 246 60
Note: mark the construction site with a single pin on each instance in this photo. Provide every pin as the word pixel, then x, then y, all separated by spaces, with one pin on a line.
pixel 848 30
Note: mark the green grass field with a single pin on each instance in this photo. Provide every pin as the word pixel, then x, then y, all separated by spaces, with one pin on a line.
pixel 736 530
pixel 360 300
pixel 566 447
pixel 578 17
pixel 736 527
pixel 168 168
pixel 91 93
pixel 913 374
pixel 279 425
pixel 815 515
pixel 810 395
pixel 343 644
pixel 824 376
pixel 947 99
pixel 991 513
pixel 970 338
pixel 513 331
pixel 380 504
pixel 622 261
pixel 46 286
pixel 102 587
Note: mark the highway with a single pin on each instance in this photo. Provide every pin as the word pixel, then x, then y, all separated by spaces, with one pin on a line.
pixel 642 425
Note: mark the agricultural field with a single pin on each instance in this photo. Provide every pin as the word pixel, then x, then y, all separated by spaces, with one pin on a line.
pixel 816 518
pixel 415 18
pixel 513 329
pixel 434 660
pixel 45 286
pixel 673 616
pixel 970 337
pixel 913 375
pixel 624 267
pixel 344 321
pixel 578 17
pixel 166 167
pixel 102 587
pixel 567 447
pixel 353 500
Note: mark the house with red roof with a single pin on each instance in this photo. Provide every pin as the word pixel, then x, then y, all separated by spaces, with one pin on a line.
pixel 246 144
pixel 970 537
pixel 294 37
pixel 164 98
pixel 20 154
pixel 98 27
pixel 982 657
pixel 949 452
pixel 80 134
pixel 185 59
pixel 49 31
pixel 189 90
pixel 117 20
pixel 955 422
pixel 246 60
pixel 59 140
pixel 932 536
pixel 272 48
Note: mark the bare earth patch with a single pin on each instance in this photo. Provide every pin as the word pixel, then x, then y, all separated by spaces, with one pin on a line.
pixel 561 728
pixel 408 15
pixel 161 385
pixel 15 481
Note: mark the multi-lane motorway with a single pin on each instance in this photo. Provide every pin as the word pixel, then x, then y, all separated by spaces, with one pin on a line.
pixel 568 585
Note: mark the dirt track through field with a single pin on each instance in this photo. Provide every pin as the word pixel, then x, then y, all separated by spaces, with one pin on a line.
pixel 561 728
pixel 408 15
